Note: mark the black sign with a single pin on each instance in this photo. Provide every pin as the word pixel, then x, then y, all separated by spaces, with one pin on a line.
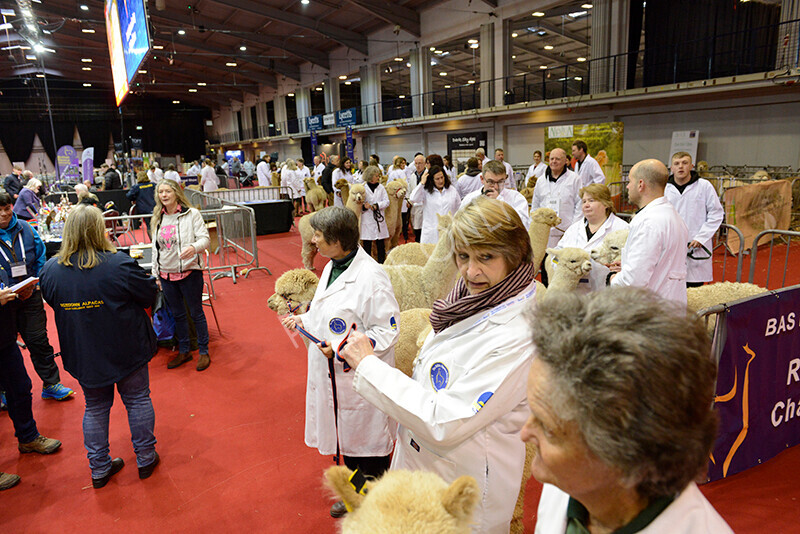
pixel 466 141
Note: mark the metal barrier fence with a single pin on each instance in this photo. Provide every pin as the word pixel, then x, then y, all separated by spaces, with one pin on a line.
pixel 251 194
pixel 786 235
pixel 721 240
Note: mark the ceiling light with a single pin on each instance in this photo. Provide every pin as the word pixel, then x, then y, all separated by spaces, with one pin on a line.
pixel 473 41
pixel 513 57
pixel 541 33
pixel 537 14
pixel 87 85
pixel 87 30
pixel 548 47
pixel 401 96
pixel 40 75
pixel 398 58
pixel 142 71
pixel 578 78
pixel 201 84
pixel 86 68
pixel 7 13
pixel 447 87
pixel 581 59
pixel 470 81
pixel 408 65
pixel 342 77
pixel 515 34
pixel 542 67
pixel 348 83
pixel 318 88
pixel 577 14
pixel 474 45
pixel 243 48
pixel 230 64
pixel 586 6
pixel 84 60
pixel 432 48
pixel 290 94
pixel 84 7
pixel 192 90
pixel 181 32
pixel 158 47
pixel 304 2
pixel 438 52
pixel 176 101
pixel 138 127
pixel 39 48
pixel 30 57
pixel 442 73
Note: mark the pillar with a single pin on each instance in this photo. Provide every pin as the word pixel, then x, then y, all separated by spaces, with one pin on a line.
pixel 302 98
pixel 487 59
pixel 421 81
pixel 332 100
pixel 280 115
pixel 371 111
pixel 610 27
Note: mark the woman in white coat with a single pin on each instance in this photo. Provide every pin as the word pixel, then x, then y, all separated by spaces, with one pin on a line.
pixel 373 220
pixel 461 409
pixel 292 178
pixel 588 233
pixel 344 170
pixel 437 197
pixel 353 289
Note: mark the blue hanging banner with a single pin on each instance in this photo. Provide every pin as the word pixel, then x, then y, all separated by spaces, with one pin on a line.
pixel 313 138
pixel 314 122
pixel 349 141
pixel 346 117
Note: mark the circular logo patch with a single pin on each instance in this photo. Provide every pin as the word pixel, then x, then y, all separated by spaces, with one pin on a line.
pixel 439 376
pixel 393 323
pixel 337 326
pixel 482 400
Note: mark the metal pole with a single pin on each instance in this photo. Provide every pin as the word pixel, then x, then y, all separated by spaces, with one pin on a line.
pixel 50 115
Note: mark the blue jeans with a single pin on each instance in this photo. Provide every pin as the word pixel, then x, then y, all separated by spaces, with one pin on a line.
pixel 135 392
pixel 191 290
pixel 15 382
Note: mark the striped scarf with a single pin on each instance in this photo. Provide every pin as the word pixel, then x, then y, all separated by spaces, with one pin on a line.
pixel 459 304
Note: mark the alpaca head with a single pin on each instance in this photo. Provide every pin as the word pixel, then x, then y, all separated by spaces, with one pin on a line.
pixel 396 189
pixel 294 290
pixel 310 183
pixel 545 216
pixel 571 261
pixel 610 250
pixel 341 184
pixel 761 175
pixel 358 193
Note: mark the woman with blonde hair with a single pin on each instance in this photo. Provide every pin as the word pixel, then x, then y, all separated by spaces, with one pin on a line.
pixel 90 283
pixel 461 410
pixel 588 232
pixel 27 205
pixel 180 237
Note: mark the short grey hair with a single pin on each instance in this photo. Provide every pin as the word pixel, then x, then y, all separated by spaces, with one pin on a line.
pixel 634 373
pixel 337 224
pixel 495 167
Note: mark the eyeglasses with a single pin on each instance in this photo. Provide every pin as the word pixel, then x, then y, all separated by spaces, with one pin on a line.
pixel 493 182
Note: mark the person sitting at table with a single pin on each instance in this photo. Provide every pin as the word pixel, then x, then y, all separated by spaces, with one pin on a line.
pixel 622 420
pixel 27 204
pixel 85 197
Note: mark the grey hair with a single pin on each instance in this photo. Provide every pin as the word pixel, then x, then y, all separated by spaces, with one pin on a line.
pixel 337 224
pixel 634 373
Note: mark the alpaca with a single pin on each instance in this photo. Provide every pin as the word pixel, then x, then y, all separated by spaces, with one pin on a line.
pixel 276 179
pixel 309 250
pixel 414 324
pixel 567 267
pixel 527 192
pixel 343 186
pixel 410 254
pixel 610 250
pixel 396 189
pixel 419 286
pixel 405 501
pixel 315 194
pixel 355 199
pixel 541 221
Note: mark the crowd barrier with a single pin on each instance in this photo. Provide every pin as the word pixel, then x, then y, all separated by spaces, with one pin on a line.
pixel 785 237
pixel 251 194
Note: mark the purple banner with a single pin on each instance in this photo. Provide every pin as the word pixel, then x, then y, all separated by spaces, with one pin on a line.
pixel 67 159
pixel 349 141
pixel 758 384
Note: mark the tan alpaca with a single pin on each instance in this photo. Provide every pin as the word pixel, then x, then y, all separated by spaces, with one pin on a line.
pixel 344 189
pixel 414 324
pixel 276 179
pixel 527 192
pixel 315 194
pixel 566 267
pixel 418 286
pixel 410 254
pixel 309 251
pixel 355 200
pixel 541 221
pixel 403 501
pixel 396 189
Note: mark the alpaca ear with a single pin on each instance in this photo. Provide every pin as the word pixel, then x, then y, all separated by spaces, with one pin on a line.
pixel 337 479
pixel 461 497
pixel 551 251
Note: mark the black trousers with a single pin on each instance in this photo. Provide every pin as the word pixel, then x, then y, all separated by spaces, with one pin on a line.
pixel 405 216
pixel 32 326
pixel 694 284
pixel 370 466
pixel 381 248
pixel 15 382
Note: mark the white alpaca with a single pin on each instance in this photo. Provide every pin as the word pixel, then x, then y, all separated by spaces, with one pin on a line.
pixel 355 200
pixel 610 250
pixel 542 220
pixel 418 286
pixel 571 265
pixel 410 254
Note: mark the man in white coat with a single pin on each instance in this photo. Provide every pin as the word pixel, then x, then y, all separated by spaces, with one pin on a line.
pixel 494 186
pixel 558 190
pixel 587 167
pixel 319 166
pixel 263 174
pixel 537 168
pixel 500 156
pixel 655 253
pixel 698 204
pixel 353 290
pixel 480 153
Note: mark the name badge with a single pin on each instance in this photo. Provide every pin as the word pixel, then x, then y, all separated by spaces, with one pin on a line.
pixel 553 204
pixel 18 269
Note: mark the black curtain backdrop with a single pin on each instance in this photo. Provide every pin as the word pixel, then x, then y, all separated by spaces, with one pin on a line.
pixel 65 133
pixel 95 134
pixel 17 139
pixel 715 38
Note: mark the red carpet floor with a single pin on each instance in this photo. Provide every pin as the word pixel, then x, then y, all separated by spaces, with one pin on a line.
pixel 231 443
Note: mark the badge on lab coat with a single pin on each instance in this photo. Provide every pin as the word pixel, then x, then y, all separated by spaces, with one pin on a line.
pixel 337 326
pixel 553 204
pixel 439 376
pixel 482 400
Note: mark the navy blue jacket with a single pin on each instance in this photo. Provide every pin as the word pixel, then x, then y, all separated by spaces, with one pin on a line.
pixel 144 194
pixel 12 184
pixel 16 235
pixel 103 329
pixel 8 315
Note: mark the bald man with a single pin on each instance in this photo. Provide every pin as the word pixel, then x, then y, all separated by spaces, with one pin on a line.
pixel 655 253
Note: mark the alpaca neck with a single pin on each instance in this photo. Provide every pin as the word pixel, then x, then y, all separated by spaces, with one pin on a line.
pixel 440 269
pixel 564 280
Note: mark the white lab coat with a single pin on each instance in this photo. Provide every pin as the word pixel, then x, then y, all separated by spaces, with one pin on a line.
pixel 263 174
pixel 318 171
pixel 172 175
pixel 562 196
pixel 363 295
pixel 293 181
pixel 535 170
pixel 303 173
pixel 655 253
pixel 590 171
pixel 471 424
pixel 700 209
pixel 397 174
pixel 514 198
pixel 467 184
pixel 371 230
pixel 412 179
pixel 437 202
pixel 337 194
pixel 575 236
pixel 194 170
pixel 209 179
pixel 689 513
pixel 511 181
